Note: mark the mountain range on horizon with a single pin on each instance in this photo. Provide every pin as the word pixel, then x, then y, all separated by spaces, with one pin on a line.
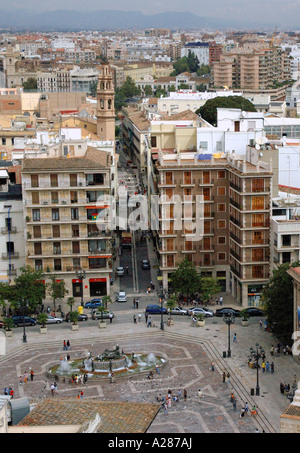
pixel 69 20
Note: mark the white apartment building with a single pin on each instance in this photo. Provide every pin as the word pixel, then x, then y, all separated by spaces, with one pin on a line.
pixel 66 44
pixel 82 80
pixel 12 244
pixel 200 49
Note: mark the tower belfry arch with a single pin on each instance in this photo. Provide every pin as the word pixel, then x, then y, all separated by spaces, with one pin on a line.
pixel 105 104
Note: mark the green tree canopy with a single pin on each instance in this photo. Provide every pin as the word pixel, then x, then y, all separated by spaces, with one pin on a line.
pixel 209 110
pixel 185 280
pixel 209 287
pixel 28 288
pixel 30 84
pixel 278 298
pixel 192 61
pixel 57 289
pixel 203 70
pixel 148 90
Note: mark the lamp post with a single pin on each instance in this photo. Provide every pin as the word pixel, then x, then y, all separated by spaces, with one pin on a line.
pixel 256 354
pixel 161 314
pixel 81 275
pixel 229 319
pixel 23 310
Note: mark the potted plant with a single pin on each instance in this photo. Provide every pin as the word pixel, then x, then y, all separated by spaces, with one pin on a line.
pixel 245 318
pixel 74 319
pixel 102 323
pixel 200 320
pixel 8 325
pixel 42 319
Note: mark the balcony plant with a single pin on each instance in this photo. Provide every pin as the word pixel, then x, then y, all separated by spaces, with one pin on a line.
pixel 42 319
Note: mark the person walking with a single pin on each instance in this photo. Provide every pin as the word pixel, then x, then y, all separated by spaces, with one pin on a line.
pixel 272 368
pixel 31 375
pixel 224 377
pixel 110 318
pixel 213 366
pixel 149 322
pixel 68 345
pixel 234 338
pixel 268 367
pixel 200 395
pixel 146 317
pixel 234 403
pixel 185 394
pixel 65 345
pixel 263 367
pixel 157 369
pixel 134 319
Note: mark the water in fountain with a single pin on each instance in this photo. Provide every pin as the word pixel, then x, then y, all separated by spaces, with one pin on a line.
pixel 151 359
pixel 64 367
pixel 88 364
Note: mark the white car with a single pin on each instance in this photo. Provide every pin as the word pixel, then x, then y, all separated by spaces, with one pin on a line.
pixel 120 271
pixel 178 311
pixel 121 297
pixel 53 320
pixel 200 311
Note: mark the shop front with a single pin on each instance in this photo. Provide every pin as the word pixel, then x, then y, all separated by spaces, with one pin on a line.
pixel 254 294
pixel 98 287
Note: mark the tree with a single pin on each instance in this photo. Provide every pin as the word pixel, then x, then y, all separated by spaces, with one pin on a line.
pixel 278 299
pixel 185 280
pixel 172 302
pixel 74 316
pixel 203 70
pixel 105 301
pixel 129 88
pixel 209 287
pixel 160 92
pixel 209 110
pixel 30 84
pixel 148 90
pixel 192 61
pixel 93 89
pixel 57 289
pixel 6 294
pixel 180 66
pixel 42 318
pixel 28 288
pixel 183 86
pixel 120 99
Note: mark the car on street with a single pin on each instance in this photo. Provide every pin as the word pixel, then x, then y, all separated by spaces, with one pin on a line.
pixel 254 311
pixel 120 272
pixel 227 311
pixel 145 264
pixel 200 311
pixel 54 320
pixel 23 320
pixel 122 297
pixel 178 311
pixel 155 309
pixel 94 303
pixel 104 315
pixel 81 317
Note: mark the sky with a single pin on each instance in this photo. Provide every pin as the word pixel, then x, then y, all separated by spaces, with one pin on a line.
pixel 280 12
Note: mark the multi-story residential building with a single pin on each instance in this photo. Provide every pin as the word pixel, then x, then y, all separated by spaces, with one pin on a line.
pixel 84 79
pixel 62 213
pixel 12 248
pixel 235 220
pixel 54 81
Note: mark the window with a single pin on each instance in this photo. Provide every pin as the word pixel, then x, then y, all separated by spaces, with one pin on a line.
pixel 38 265
pixel 258 203
pixel 36 231
pixel 221 207
pixel 206 227
pixel 286 240
pixel 258 185
pixel 257 254
pixel 76 263
pixel 54 180
pixel 73 180
pixel 56 231
pixel 153 141
pixel 34 180
pixel 257 237
pixel 75 247
pixel 57 264
pixel 75 231
pixel 257 220
pixel 35 198
pixel 222 240
pixel 74 214
pixel 206 193
pixel 54 197
pixel 55 214
pixel 206 244
pixel 187 177
pixel 169 177
pixel 170 260
pixel 36 215
pixel 56 248
pixel 74 196
pixel 206 177
pixel 203 145
pixel 221 174
pixel 221 224
pixel 221 191
pixel 10 247
pixel 257 271
pixel 222 256
pixel 38 248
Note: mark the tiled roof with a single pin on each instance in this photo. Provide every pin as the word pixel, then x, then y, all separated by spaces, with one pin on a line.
pixel 93 159
pixel 116 417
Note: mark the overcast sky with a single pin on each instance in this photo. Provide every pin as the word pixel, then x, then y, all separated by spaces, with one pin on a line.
pixel 281 12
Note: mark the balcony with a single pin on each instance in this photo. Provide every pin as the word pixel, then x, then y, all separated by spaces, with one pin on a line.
pixel 235 187
pixel 12 255
pixel 11 272
pixel 235 238
pixel 7 230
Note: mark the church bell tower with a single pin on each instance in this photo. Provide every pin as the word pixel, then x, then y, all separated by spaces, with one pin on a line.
pixel 105 104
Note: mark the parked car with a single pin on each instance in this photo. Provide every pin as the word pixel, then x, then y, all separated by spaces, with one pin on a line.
pixel 200 311
pixel 81 317
pixel 94 303
pixel 226 311
pixel 105 314
pixel 53 320
pixel 155 309
pixel 145 264
pixel 120 272
pixel 21 320
pixel 254 311
pixel 178 311
pixel 121 297
pixel 1 324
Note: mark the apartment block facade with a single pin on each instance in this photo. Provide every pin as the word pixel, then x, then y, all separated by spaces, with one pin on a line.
pixel 61 227
pixel 235 220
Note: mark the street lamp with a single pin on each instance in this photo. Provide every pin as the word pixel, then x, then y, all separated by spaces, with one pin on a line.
pixel 81 275
pixel 256 354
pixel 161 314
pixel 229 319
pixel 23 309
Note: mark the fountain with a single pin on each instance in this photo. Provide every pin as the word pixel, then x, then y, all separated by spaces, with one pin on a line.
pixel 64 367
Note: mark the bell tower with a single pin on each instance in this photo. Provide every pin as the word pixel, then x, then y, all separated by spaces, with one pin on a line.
pixel 105 104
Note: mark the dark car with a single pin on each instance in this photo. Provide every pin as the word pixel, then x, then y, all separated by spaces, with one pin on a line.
pixel 227 311
pixel 145 264
pixel 155 309
pixel 23 320
pixel 94 303
pixel 81 317
pixel 254 311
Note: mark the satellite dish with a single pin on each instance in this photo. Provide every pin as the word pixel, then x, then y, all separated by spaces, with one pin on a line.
pixel 261 140
pixel 257 146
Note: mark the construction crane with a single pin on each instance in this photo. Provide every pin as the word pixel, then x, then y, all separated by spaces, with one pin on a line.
pixel 271 43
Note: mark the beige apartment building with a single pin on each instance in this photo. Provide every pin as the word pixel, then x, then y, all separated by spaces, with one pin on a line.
pixel 252 69
pixel 235 220
pixel 61 227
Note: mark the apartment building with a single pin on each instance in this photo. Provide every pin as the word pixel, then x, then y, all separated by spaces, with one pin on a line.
pixel 12 249
pixel 199 49
pixel 235 220
pixel 64 230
